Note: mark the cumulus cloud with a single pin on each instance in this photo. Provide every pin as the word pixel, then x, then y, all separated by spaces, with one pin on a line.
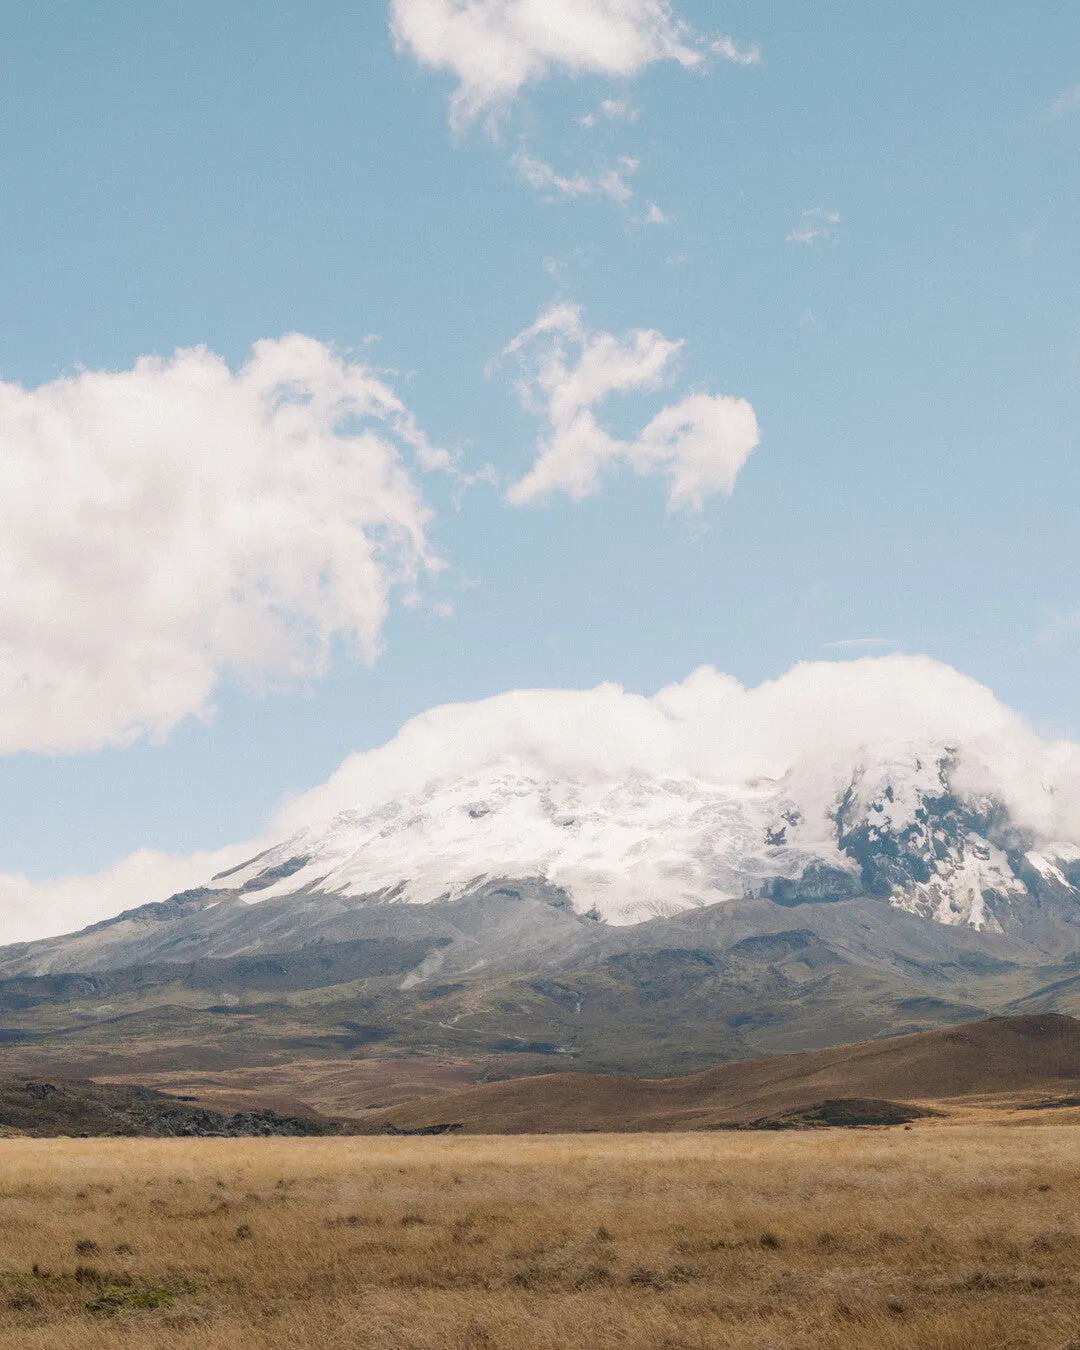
pixel 802 734
pixel 495 47
pixel 611 183
pixel 569 371
pixel 167 524
pixel 816 225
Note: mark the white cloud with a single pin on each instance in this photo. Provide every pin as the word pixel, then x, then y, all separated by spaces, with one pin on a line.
pixel 712 727
pixel 610 183
pixel 700 443
pixel 1067 103
pixel 731 51
pixel 804 733
pixel 33 909
pixel 162 526
pixel 654 216
pixel 814 225
pixel 613 109
pixel 496 47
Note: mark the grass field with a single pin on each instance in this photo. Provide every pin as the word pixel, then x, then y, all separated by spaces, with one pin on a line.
pixel 941 1237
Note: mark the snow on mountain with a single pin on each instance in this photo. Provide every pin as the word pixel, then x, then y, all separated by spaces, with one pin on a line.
pixel 630 848
pixel 895 778
pixel 637 848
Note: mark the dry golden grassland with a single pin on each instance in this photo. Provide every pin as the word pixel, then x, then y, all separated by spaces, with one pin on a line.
pixel 952 1238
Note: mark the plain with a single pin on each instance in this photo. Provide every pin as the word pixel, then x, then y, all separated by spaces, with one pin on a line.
pixel 943 1236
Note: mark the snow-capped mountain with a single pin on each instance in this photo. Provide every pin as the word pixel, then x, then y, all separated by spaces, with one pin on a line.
pixel 636 847
pixel 894 779
pixel 855 850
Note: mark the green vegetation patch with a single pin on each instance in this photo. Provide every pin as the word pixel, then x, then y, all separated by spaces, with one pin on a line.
pixel 118 1298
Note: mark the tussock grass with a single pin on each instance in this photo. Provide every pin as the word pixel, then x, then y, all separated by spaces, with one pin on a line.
pixel 929 1239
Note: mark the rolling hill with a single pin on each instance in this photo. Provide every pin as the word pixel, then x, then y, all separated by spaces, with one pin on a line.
pixel 1023 1066
pixel 1001 1059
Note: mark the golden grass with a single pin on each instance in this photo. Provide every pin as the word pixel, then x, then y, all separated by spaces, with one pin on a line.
pixel 927 1239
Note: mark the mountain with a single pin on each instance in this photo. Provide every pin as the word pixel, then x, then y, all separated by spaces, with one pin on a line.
pixel 603 882
pixel 620 852
pixel 637 848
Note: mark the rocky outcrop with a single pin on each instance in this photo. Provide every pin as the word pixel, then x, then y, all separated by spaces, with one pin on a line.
pixel 83 1109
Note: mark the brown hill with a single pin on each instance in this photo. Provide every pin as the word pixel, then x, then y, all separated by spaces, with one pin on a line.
pixel 998 1057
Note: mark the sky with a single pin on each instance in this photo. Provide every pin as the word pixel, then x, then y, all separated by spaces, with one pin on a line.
pixel 362 358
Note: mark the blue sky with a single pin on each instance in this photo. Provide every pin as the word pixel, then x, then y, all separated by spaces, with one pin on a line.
pixel 206 174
